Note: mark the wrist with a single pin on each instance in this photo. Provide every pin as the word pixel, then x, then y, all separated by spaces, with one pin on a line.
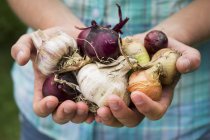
pixel 72 31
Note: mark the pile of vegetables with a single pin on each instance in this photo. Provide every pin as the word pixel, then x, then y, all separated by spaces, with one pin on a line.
pixel 100 63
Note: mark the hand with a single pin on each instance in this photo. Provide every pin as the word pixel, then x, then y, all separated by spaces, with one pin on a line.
pixel 118 114
pixel 22 51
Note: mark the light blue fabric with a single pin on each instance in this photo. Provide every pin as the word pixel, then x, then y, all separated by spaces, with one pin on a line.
pixel 188 117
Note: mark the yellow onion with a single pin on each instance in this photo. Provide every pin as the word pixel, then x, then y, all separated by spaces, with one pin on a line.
pixel 167 58
pixel 147 81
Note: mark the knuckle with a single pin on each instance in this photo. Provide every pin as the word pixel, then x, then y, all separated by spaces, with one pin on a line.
pixel 159 114
pixel 156 116
pixel 114 124
pixel 133 124
pixel 23 37
pixel 39 112
pixel 59 119
pixel 197 60
pixel 144 110
pixel 78 120
pixel 14 50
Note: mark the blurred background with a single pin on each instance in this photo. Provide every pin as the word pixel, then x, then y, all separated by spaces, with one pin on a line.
pixel 11 28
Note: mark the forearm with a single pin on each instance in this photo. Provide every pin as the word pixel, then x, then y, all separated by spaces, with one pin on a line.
pixel 190 25
pixel 42 14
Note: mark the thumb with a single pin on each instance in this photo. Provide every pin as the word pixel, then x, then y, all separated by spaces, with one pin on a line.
pixel 22 49
pixel 190 57
pixel 189 61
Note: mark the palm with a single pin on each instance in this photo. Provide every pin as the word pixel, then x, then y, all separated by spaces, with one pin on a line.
pixel 153 110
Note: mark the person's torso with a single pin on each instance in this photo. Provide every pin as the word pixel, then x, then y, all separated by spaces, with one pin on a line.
pixel 185 115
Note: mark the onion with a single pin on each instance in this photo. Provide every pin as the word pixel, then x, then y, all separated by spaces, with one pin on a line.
pixel 81 38
pixel 62 86
pixel 155 40
pixel 101 43
pixel 161 70
pixel 167 58
pixel 134 49
pixel 147 81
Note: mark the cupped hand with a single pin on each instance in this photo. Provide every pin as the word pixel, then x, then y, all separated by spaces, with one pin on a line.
pixel 118 114
pixel 23 51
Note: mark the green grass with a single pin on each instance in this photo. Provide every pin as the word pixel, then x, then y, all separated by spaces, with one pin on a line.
pixel 10 29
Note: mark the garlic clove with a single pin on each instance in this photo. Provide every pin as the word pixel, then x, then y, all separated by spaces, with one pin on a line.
pixel 38 38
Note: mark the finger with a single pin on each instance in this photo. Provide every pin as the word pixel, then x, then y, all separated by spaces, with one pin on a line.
pixel 190 58
pixel 139 37
pixel 42 106
pixel 122 113
pixel 153 110
pixel 98 119
pixel 105 116
pixel 24 48
pixel 90 118
pixel 81 113
pixel 45 106
pixel 21 50
pixel 65 112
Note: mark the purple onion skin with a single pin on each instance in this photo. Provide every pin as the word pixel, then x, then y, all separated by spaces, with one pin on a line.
pixel 81 40
pixel 154 41
pixel 69 77
pixel 61 91
pixel 102 44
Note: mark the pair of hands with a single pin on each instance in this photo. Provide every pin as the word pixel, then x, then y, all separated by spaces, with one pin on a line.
pixel 117 114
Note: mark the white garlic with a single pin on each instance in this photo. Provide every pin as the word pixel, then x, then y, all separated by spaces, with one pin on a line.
pixel 98 81
pixel 50 49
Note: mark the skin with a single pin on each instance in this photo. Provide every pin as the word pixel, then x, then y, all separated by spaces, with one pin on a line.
pixel 117 114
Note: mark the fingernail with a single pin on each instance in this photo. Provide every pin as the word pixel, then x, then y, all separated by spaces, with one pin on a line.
pixel 66 110
pixel 20 55
pixel 136 98
pixel 50 105
pixel 106 119
pixel 186 64
pixel 114 105
pixel 89 121
pixel 98 119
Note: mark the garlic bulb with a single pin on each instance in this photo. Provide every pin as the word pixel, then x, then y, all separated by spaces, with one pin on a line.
pixel 98 81
pixel 50 49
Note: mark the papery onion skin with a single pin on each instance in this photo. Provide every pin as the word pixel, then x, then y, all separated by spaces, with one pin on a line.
pixel 146 81
pixel 167 58
pixel 68 77
pixel 102 44
pixel 81 40
pixel 51 49
pixel 135 49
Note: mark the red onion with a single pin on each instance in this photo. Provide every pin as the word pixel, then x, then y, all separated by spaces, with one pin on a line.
pixel 60 89
pixel 154 41
pixel 101 43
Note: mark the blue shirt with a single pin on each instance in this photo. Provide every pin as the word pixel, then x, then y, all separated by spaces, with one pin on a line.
pixel 187 118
